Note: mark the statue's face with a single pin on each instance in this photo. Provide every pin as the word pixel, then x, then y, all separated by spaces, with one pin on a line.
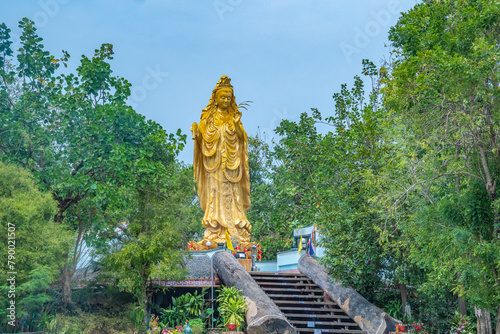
pixel 224 99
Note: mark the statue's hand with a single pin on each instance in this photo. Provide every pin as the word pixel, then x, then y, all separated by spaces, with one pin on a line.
pixel 237 117
pixel 194 130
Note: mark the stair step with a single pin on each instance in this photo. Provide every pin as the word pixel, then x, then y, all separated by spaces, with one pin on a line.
pixel 294 302
pixel 317 316
pixel 309 291
pixel 295 296
pixel 311 309
pixel 288 283
pixel 274 273
pixel 338 331
pixel 280 278
pixel 323 323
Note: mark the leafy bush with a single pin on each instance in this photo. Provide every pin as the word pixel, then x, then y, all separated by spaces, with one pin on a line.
pixel 226 293
pixel 136 315
pixel 197 325
pixel 86 323
pixel 394 308
pixel 188 305
pixel 463 324
pixel 108 297
pixel 232 307
pixel 26 216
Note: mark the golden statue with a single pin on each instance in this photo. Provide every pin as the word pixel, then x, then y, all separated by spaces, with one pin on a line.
pixel 221 169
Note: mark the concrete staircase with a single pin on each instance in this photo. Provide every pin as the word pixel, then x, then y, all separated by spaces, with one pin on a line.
pixel 304 303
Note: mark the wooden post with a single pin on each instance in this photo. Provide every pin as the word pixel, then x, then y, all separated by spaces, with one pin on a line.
pixel 369 317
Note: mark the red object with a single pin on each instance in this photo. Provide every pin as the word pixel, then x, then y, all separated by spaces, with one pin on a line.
pixel 400 328
pixel 196 249
pixel 234 253
pixel 311 245
pixel 190 246
pixel 231 327
pixel 259 252
pixel 246 250
pixel 237 248
pixel 259 257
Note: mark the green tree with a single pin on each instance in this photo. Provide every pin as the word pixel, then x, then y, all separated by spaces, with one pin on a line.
pixel 443 94
pixel 363 249
pixel 33 244
pixel 322 178
pixel 336 180
pixel 150 245
pixel 76 134
pixel 270 222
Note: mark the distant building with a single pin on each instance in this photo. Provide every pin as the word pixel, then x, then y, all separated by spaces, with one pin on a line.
pixel 288 260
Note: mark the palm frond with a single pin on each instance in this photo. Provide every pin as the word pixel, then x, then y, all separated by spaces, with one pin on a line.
pixel 245 104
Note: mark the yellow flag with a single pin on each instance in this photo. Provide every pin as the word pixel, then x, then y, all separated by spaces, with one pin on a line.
pixel 228 241
pixel 300 241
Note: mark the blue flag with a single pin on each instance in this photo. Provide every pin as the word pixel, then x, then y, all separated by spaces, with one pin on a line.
pixel 310 248
pixel 311 245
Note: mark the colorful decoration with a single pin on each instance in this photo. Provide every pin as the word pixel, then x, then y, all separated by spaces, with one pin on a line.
pixel 229 244
pixel 300 240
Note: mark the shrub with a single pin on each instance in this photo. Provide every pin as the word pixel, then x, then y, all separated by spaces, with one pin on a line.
pixel 232 307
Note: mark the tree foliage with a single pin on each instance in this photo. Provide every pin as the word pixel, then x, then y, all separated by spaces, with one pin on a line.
pixel 38 243
pixel 151 244
pixel 327 179
pixel 271 224
pixel 78 137
pixel 443 94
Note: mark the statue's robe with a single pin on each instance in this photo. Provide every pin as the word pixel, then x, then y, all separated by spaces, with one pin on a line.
pixel 222 174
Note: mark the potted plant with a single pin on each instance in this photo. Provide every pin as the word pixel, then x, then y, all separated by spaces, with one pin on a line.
pixel 232 308
pixel 197 326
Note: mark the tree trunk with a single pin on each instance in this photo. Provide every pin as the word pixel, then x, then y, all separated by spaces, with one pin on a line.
pixel 462 308
pixel 66 285
pixel 483 321
pixel 262 316
pixel 370 318
pixel 144 304
pixel 404 298
pixel 497 329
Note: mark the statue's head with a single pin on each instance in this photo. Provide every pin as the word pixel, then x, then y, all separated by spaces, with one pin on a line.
pixel 223 99
pixel 222 96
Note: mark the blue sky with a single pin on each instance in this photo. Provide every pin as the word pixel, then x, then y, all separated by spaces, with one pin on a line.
pixel 286 56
